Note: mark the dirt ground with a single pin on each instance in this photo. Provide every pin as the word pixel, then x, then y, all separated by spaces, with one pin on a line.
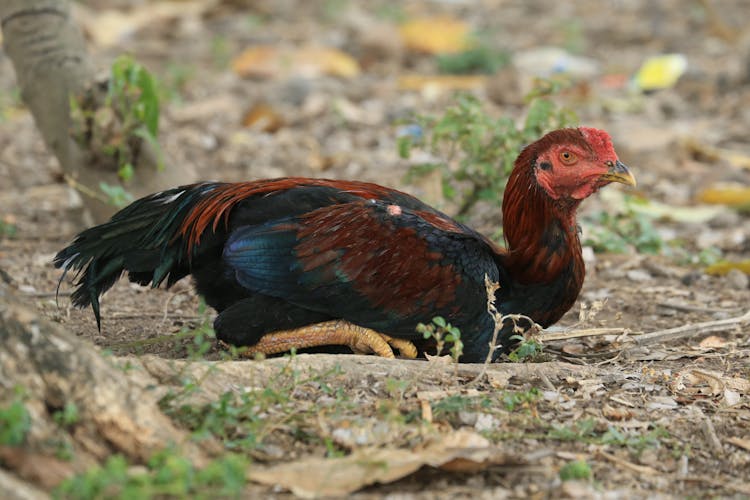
pixel 669 419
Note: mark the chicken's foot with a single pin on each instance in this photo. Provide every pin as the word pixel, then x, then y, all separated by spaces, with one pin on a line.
pixel 337 332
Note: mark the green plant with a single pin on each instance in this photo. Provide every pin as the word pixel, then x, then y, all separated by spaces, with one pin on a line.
pixel 221 52
pixel 586 430
pixel 513 400
pixel 527 349
pixel 115 195
pixel 15 421
pixel 618 232
pixel 8 229
pixel 577 469
pixel 67 416
pixel 479 59
pixel 242 421
pixel 444 334
pixel 133 95
pixel 167 474
pixel 477 151
pixel 456 403
pixel 634 442
pixel 114 125
pixel 581 430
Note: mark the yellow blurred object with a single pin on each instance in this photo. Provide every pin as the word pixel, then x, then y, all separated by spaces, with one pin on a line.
pixel 261 116
pixel 436 35
pixel 730 194
pixel 441 83
pixel 721 268
pixel 711 153
pixel 267 61
pixel 660 72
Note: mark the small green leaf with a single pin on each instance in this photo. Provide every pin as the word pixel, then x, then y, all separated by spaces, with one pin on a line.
pixel 578 469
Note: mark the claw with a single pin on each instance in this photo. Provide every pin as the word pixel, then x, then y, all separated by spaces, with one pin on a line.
pixel 338 332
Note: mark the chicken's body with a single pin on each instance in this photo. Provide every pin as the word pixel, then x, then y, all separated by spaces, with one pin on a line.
pixel 282 254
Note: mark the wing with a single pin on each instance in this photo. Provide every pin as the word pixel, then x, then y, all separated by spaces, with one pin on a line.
pixel 374 263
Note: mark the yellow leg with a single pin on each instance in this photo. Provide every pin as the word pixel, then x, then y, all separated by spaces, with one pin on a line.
pixel 337 332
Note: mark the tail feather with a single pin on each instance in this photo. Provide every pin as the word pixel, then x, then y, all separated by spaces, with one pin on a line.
pixel 143 239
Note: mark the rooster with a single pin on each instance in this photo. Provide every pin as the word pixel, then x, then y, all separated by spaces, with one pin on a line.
pixel 297 262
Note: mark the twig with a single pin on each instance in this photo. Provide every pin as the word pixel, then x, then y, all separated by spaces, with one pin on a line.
pixel 720 483
pixel 691 308
pixel 183 317
pixel 640 469
pixel 44 295
pixel 499 321
pixel 589 332
pixel 709 432
pixel 693 330
pixel 82 188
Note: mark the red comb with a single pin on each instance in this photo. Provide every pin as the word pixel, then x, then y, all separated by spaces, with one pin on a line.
pixel 599 140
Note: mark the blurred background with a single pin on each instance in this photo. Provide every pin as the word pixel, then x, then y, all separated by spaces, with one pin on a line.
pixel 436 97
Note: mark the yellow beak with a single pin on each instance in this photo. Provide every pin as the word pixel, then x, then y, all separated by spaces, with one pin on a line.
pixel 619 173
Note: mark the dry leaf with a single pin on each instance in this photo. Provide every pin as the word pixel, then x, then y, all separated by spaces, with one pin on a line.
pixel 740 442
pixel 441 83
pixel 727 194
pixel 612 413
pixel 713 342
pixel 267 61
pixel 437 35
pixel 731 397
pixel 445 359
pixel 710 153
pixel 314 477
pixel 261 116
pixel 108 27
pixel 722 267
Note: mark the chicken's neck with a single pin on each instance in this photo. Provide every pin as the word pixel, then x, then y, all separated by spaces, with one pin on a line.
pixel 541 233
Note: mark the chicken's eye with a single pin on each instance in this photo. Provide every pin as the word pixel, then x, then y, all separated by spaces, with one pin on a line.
pixel 568 158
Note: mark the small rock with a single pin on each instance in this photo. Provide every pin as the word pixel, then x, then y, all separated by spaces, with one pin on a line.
pixel 485 422
pixel 548 61
pixel 737 279
pixel 504 87
pixel 589 257
pixel 467 417
pixel 638 275
pixel 692 278
pixel 725 220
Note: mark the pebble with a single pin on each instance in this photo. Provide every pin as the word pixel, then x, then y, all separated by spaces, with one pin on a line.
pixel 737 279
pixel 692 278
pixel 639 275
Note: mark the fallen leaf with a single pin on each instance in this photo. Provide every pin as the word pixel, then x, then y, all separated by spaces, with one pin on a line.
pixel 710 153
pixel 436 35
pixel 42 470
pixel 740 442
pixel 612 413
pixel 315 477
pixel 697 214
pixel 441 83
pixel 731 397
pixel 267 61
pixel 445 359
pixel 261 116
pixel 660 72
pixel 713 342
pixel 722 267
pixel 728 194
pixel 108 27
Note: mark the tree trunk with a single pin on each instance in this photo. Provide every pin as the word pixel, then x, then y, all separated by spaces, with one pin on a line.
pixel 117 409
pixel 48 53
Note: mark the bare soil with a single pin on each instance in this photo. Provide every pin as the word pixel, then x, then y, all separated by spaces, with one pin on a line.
pixel 684 404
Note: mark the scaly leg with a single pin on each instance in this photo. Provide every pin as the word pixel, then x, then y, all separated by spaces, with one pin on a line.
pixel 336 332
